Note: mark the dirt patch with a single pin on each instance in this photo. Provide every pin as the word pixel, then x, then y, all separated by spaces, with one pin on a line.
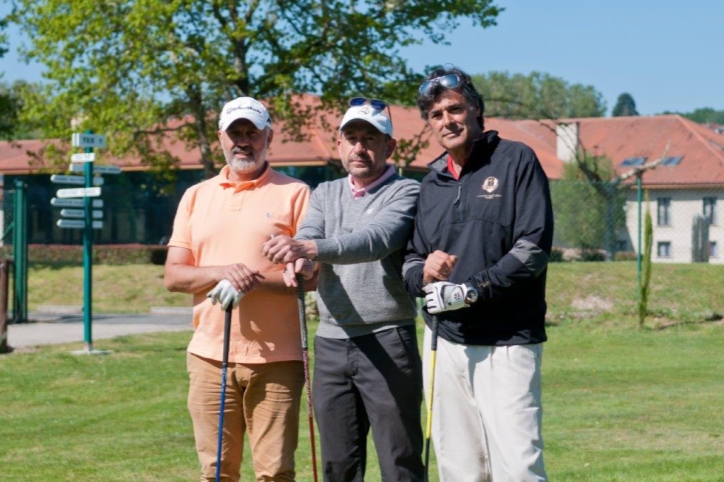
pixel 592 303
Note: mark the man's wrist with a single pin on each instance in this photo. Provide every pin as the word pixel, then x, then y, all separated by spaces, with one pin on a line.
pixel 310 249
pixel 471 294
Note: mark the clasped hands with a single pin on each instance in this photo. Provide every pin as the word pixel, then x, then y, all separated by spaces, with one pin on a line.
pixel 297 255
pixel 441 295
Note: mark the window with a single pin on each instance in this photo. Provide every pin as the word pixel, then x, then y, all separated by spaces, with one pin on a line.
pixel 671 160
pixel 633 161
pixel 710 209
pixel 713 249
pixel 621 245
pixel 663 249
pixel 663 211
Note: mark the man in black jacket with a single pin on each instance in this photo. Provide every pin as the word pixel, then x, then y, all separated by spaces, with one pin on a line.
pixel 483 234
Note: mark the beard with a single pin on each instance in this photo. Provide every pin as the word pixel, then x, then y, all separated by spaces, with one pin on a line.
pixel 253 159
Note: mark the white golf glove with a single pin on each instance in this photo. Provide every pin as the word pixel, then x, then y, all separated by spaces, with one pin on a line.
pixel 443 296
pixel 225 293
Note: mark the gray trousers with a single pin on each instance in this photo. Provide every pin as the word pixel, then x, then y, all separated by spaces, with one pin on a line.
pixel 370 381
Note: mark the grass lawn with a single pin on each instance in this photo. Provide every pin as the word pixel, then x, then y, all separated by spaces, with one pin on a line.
pixel 620 403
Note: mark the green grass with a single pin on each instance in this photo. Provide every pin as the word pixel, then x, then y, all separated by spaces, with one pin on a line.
pixel 620 403
pixel 593 294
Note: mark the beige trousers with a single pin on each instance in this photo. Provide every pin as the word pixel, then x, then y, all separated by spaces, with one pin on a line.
pixel 262 400
pixel 486 422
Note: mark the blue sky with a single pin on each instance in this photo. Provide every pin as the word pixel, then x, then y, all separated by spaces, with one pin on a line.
pixel 669 55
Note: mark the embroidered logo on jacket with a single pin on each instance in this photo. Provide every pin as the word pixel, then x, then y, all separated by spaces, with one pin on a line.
pixel 490 185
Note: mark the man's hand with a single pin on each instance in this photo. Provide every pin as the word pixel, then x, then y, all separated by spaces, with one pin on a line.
pixel 225 293
pixel 283 249
pixel 301 266
pixel 438 267
pixel 444 296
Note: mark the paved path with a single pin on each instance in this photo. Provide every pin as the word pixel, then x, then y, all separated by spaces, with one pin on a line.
pixel 48 329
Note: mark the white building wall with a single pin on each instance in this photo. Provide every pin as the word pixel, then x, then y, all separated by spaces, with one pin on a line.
pixel 685 205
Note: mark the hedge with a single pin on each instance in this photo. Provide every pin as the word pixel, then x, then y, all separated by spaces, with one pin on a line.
pixel 102 253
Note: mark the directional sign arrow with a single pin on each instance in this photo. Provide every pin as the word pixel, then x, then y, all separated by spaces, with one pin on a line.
pixel 77 223
pixel 74 203
pixel 96 169
pixel 88 140
pixel 79 180
pixel 79 192
pixel 83 157
pixel 80 213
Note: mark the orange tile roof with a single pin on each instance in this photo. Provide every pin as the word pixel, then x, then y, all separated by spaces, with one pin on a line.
pixel 616 137
pixel 647 136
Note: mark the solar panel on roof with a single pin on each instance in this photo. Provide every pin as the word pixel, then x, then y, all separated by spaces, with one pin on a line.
pixel 633 161
pixel 671 160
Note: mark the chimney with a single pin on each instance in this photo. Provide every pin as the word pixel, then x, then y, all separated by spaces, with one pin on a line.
pixel 567 141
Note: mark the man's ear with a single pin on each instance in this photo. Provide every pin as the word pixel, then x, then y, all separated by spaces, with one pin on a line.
pixel 391 144
pixel 269 137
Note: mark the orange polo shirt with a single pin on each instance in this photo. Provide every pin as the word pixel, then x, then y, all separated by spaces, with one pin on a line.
pixel 222 223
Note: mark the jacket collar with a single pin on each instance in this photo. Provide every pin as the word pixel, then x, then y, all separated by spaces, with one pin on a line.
pixel 487 142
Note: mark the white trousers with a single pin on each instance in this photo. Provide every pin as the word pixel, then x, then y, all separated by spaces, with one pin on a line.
pixel 486 415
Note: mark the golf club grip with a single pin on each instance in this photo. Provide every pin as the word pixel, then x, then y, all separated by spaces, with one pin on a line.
pixel 227 333
pixel 302 312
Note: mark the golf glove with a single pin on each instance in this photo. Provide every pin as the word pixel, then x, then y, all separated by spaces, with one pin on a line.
pixel 443 296
pixel 225 293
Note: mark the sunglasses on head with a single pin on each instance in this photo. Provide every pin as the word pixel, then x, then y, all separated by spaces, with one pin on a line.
pixel 449 81
pixel 376 104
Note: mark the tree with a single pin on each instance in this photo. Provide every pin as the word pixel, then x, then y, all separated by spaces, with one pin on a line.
pixel 703 115
pixel 140 69
pixel 589 206
pixel 625 106
pixel 537 96
pixel 8 104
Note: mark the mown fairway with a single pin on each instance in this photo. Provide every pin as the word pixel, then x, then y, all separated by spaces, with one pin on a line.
pixel 621 403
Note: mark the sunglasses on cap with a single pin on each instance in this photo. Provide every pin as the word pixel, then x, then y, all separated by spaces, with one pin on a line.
pixel 449 81
pixel 376 104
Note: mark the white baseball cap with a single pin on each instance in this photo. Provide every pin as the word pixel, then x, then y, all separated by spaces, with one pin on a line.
pixel 244 108
pixel 368 114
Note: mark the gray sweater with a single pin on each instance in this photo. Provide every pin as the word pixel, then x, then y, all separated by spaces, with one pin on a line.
pixel 359 244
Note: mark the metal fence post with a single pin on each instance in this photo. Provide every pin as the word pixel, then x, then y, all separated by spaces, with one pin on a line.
pixel 4 291
pixel 20 253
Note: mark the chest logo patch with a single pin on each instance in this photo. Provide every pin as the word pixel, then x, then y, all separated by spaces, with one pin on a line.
pixel 490 184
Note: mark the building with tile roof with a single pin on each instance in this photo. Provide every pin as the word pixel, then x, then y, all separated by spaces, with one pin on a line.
pixel 689 182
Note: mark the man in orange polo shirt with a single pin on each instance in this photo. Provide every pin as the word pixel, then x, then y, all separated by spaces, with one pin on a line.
pixel 218 232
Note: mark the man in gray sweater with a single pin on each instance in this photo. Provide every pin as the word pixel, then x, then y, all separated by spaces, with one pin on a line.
pixel 367 371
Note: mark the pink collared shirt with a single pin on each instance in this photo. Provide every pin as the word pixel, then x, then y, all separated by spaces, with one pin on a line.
pixel 358 193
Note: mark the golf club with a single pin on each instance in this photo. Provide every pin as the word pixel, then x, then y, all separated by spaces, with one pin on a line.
pixel 222 403
pixel 428 425
pixel 305 359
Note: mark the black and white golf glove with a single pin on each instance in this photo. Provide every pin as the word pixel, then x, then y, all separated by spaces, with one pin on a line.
pixel 444 296
pixel 225 293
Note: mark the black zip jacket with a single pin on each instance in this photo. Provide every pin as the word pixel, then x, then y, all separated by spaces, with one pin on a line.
pixel 497 219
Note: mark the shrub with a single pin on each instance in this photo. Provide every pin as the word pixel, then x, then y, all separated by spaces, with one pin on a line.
pixel 625 256
pixel 101 253
pixel 556 255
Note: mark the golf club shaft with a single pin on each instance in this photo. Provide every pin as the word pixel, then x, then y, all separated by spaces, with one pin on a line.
pixel 431 392
pixel 305 360
pixel 222 402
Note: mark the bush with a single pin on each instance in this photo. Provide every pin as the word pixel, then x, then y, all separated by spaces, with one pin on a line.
pixel 589 255
pixel 556 255
pixel 625 256
pixel 101 253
